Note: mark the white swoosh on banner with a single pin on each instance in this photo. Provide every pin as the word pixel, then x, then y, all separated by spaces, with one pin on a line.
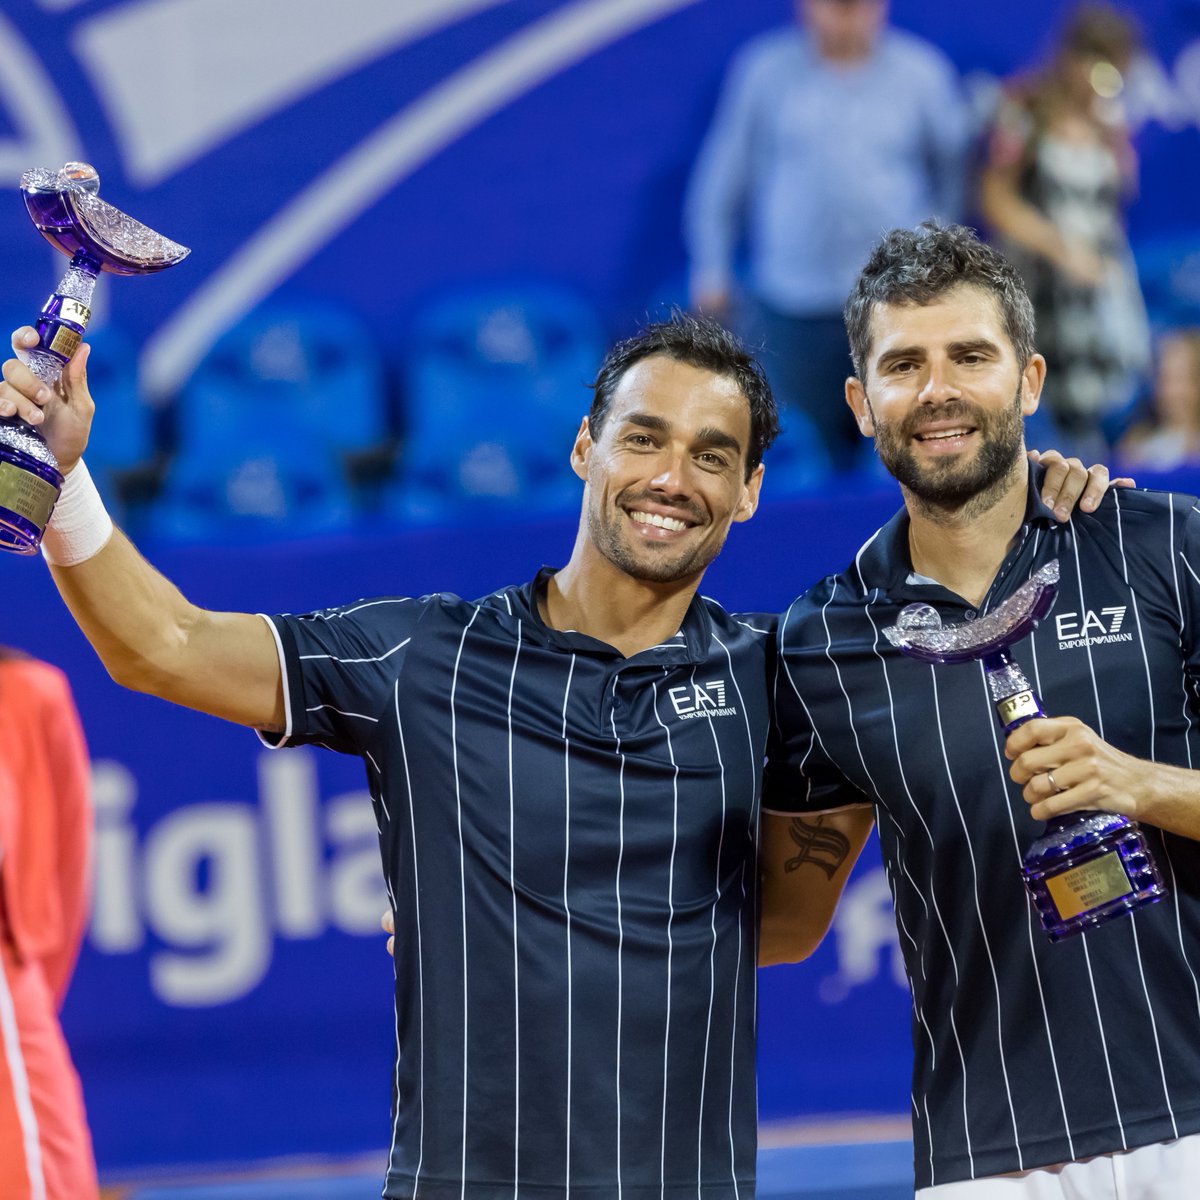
pixel 181 77
pixel 45 134
pixel 351 185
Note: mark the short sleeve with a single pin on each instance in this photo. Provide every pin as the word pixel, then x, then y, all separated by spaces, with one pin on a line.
pixel 339 668
pixel 799 776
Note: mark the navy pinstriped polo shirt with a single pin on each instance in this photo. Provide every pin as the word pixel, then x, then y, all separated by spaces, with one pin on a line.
pixel 1026 1053
pixel 568 838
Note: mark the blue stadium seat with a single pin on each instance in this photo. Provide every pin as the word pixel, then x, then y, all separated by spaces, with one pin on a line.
pixel 496 384
pixel 264 425
pixel 122 438
pixel 797 461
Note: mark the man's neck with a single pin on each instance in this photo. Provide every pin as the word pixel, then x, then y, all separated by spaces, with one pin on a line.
pixel 962 548
pixel 593 596
pixel 845 58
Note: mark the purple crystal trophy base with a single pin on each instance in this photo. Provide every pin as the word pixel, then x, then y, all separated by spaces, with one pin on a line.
pixel 65 207
pixel 1087 867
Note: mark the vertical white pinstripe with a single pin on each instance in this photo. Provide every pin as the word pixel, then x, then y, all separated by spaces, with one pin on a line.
pixel 1153 758
pixel 412 828
pixel 1029 932
pixel 462 875
pixel 929 835
pixel 1187 708
pixel 567 908
pixel 377 793
pixel 1112 1087
pixel 512 887
pixel 662 1162
pixel 712 968
pixel 1087 646
pixel 1037 973
pixel 1074 543
pixel 752 840
pixel 842 687
pixel 22 1098
pixel 620 919
pixel 1137 618
pixel 1187 744
pixel 987 945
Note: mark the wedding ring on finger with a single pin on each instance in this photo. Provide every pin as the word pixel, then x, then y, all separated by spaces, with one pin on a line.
pixel 1054 788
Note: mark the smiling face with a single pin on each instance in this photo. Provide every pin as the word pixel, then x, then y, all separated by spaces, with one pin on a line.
pixel 945 398
pixel 666 476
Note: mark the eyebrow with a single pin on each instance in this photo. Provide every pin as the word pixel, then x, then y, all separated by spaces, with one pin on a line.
pixel 973 345
pixel 719 439
pixel 970 345
pixel 708 436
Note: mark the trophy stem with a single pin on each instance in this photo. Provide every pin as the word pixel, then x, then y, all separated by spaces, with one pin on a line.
pixel 64 318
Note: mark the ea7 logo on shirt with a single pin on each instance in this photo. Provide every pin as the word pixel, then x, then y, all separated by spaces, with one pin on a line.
pixel 1091 628
pixel 701 700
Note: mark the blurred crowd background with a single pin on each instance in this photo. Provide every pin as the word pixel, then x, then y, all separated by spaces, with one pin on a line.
pixel 414 237
pixel 415 227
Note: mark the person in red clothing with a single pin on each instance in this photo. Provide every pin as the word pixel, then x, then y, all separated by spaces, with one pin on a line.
pixel 45 832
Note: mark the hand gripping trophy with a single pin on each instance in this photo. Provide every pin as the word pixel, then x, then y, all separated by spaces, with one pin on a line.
pixel 1087 867
pixel 69 214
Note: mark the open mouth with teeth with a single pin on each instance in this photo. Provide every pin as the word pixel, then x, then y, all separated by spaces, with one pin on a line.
pixel 658 521
pixel 944 438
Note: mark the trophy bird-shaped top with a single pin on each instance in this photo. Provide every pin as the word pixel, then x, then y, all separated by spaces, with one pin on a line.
pixel 919 631
pixel 66 208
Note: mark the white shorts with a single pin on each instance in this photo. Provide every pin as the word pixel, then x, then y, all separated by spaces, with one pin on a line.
pixel 1162 1171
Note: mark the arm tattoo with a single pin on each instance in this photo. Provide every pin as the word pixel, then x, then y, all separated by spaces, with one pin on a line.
pixel 824 848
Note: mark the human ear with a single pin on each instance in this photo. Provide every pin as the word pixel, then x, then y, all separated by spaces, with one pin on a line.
pixel 856 398
pixel 581 452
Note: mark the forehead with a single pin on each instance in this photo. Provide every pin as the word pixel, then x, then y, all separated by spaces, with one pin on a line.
pixel 963 314
pixel 686 397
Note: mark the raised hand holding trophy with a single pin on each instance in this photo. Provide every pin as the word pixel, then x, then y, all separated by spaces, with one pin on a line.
pixel 1087 867
pixel 69 214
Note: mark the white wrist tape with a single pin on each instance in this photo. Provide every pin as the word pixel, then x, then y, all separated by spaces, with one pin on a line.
pixel 79 526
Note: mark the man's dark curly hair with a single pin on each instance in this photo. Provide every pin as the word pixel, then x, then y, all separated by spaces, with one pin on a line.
pixel 700 342
pixel 918 266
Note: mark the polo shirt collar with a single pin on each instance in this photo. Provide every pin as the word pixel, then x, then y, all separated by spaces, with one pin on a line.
pixel 885 563
pixel 690 644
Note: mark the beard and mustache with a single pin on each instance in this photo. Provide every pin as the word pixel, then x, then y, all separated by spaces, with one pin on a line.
pixel 650 563
pixel 955 480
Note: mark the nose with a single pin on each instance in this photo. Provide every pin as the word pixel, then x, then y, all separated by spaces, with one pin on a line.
pixel 673 473
pixel 939 385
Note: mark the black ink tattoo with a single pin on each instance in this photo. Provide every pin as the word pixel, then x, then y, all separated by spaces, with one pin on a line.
pixel 824 848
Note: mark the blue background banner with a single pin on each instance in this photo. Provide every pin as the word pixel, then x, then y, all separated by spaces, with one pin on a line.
pixel 233 998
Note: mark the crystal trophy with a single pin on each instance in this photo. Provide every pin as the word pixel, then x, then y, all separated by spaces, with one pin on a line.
pixel 1087 867
pixel 69 214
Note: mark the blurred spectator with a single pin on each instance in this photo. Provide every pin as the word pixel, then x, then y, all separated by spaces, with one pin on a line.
pixel 827 133
pixel 45 834
pixel 1059 166
pixel 1170 435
